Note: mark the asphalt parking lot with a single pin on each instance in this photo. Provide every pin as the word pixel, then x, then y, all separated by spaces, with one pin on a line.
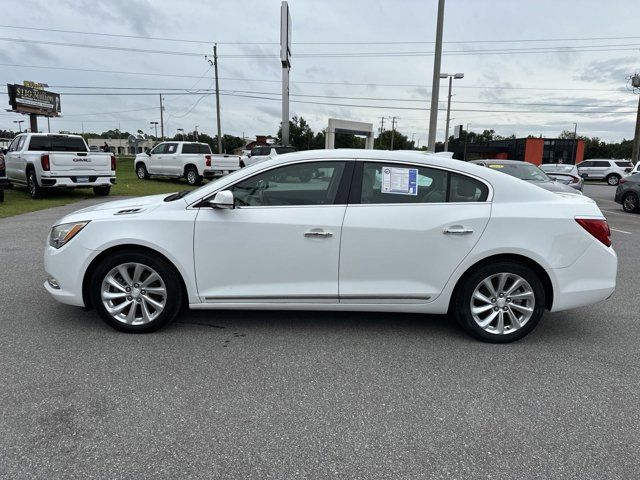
pixel 274 395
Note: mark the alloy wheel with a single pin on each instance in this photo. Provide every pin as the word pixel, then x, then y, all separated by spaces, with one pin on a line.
pixel 502 303
pixel 191 177
pixel 630 203
pixel 133 293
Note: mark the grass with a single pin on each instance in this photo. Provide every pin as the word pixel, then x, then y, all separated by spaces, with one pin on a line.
pixel 17 200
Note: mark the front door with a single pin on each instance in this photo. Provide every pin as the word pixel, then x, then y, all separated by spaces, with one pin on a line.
pixel 281 242
pixel 406 229
pixel 155 158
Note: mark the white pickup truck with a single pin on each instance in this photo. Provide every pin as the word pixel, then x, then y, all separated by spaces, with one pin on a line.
pixel 45 160
pixel 191 160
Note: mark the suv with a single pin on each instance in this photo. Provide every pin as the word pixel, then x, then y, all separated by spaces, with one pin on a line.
pixel 262 153
pixel 599 168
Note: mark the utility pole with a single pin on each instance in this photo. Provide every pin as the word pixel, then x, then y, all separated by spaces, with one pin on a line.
pixel 435 84
pixel 381 125
pixel 393 129
pixel 466 139
pixel 155 124
pixel 636 139
pixel 161 119
pixel 215 68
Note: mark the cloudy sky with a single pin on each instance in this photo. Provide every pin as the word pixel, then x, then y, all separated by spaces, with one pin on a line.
pixel 531 67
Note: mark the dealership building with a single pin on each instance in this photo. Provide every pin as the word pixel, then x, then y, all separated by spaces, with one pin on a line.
pixel 532 150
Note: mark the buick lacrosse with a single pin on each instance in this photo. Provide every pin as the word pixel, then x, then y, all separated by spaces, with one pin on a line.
pixel 361 230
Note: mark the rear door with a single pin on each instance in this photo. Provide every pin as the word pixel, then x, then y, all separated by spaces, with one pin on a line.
pixel 599 169
pixel 406 228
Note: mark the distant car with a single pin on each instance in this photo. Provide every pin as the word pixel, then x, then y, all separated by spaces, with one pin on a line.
pixel 635 169
pixel 628 193
pixel 529 173
pixel 4 183
pixel 262 153
pixel 604 169
pixel 564 173
pixel 191 160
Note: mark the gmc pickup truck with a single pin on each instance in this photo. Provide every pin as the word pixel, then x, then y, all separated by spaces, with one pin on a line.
pixel 42 161
pixel 191 160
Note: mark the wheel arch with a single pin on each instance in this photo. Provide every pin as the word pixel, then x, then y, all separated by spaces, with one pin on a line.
pixel 188 166
pixel 133 248
pixel 535 266
pixel 140 162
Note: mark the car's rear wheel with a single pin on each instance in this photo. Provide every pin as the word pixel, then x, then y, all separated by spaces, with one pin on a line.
pixel 101 191
pixel 136 292
pixel 630 202
pixel 191 174
pixel 613 179
pixel 35 190
pixel 500 302
pixel 141 171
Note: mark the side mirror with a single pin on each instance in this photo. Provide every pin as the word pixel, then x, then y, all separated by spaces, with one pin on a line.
pixel 148 152
pixel 223 199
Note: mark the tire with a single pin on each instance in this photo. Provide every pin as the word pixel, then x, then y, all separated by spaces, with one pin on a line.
pixel 191 174
pixel 35 190
pixel 101 191
pixel 613 179
pixel 141 171
pixel 630 202
pixel 530 302
pixel 147 316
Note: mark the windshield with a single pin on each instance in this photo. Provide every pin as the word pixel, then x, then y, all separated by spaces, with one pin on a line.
pixel 554 167
pixel 523 171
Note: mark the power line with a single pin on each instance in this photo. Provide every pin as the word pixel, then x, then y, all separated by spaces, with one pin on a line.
pixel 374 42
pixel 555 49
pixel 308 82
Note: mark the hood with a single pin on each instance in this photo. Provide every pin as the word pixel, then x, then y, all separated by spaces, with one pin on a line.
pixel 556 187
pixel 129 207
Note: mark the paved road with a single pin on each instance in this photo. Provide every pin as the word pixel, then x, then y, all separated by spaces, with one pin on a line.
pixel 280 395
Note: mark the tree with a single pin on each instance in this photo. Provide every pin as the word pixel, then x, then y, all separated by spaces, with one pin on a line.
pixel 400 141
pixel 300 134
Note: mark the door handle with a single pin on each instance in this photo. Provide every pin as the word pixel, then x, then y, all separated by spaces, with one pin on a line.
pixel 318 234
pixel 457 230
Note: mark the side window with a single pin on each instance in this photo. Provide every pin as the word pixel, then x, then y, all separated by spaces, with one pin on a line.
pixel 310 183
pixel 171 148
pixel 255 151
pixel 265 151
pixel 158 149
pixel 21 143
pixel 395 183
pixel 601 164
pixel 584 164
pixel 14 144
pixel 466 189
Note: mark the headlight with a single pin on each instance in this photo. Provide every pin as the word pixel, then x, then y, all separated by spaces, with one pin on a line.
pixel 61 234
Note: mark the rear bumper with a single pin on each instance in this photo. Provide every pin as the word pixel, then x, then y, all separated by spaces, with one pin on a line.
pixel 219 172
pixel 4 183
pixel 77 181
pixel 591 279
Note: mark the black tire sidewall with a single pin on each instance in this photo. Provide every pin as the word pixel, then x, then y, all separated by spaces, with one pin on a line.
pixel 169 275
pixel 462 309
pixel 144 168
pixel 32 179
pixel 195 176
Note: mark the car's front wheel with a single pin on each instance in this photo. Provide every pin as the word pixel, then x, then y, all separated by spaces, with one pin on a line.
pixel 136 292
pixel 500 302
pixel 141 171
pixel 630 202
pixel 613 180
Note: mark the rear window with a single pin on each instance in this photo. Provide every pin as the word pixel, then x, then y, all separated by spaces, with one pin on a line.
pixel 553 167
pixel 57 143
pixel 196 148
pixel 624 164
pixel 523 171
pixel 283 150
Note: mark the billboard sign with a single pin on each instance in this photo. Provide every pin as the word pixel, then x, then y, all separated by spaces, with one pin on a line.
pixel 285 35
pixel 25 99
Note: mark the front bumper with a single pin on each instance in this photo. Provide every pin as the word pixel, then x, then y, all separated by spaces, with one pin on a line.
pixel 67 266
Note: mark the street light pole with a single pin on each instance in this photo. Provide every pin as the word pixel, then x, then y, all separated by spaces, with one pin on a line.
pixel 155 124
pixel 19 122
pixel 575 142
pixel 466 139
pixel 451 77
pixel 435 84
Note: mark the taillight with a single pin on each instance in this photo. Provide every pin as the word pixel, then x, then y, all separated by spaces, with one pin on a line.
pixel 44 161
pixel 207 159
pixel 622 180
pixel 113 162
pixel 599 228
pixel 575 179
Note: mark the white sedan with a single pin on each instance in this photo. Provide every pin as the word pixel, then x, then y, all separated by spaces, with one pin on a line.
pixel 357 230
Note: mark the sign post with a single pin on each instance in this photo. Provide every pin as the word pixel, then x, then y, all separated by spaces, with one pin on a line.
pixel 285 59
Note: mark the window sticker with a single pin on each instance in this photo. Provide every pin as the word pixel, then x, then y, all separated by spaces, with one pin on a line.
pixel 402 181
